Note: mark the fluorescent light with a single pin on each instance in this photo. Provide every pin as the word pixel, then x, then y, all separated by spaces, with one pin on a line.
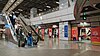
pixel 15 4
pixel 48 6
pixel 16 12
pixel 20 9
pixel 54 26
pixel 57 2
pixel 84 24
pixel 12 1
pixel 39 14
pixel 40 9
pixel 39 27
pixel 18 2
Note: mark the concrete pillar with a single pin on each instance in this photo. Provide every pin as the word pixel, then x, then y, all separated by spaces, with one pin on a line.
pixel 69 31
pixel 62 31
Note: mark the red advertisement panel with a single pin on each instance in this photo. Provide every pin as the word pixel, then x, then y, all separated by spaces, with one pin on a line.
pixel 42 33
pixel 95 34
pixel 74 33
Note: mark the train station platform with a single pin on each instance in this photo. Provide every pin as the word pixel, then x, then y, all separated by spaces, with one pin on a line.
pixel 50 47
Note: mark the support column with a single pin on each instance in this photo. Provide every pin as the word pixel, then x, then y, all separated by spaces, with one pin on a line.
pixel 64 31
pixel 69 31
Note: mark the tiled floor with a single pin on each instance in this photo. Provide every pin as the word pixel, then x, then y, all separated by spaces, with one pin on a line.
pixel 50 47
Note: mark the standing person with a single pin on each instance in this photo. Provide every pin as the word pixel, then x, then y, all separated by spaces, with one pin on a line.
pixel 20 35
pixel 24 41
pixel 14 18
pixel 29 39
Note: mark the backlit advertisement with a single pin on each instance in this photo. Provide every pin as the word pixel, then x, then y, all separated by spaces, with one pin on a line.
pixel 95 34
pixel 74 33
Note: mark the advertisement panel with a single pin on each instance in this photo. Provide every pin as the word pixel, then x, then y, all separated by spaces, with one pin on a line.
pixel 95 35
pixel 66 31
pixel 74 33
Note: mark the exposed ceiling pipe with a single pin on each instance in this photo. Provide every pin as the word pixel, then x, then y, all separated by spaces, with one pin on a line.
pixel 9 3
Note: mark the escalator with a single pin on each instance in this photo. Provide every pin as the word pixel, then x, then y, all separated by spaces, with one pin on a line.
pixel 9 31
pixel 27 28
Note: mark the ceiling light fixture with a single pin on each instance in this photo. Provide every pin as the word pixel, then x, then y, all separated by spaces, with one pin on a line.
pixel 16 12
pixel 15 4
pixel 20 9
pixel 12 1
pixel 18 2
pixel 54 26
pixel 39 14
pixel 40 9
pixel 57 2
pixel 48 6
